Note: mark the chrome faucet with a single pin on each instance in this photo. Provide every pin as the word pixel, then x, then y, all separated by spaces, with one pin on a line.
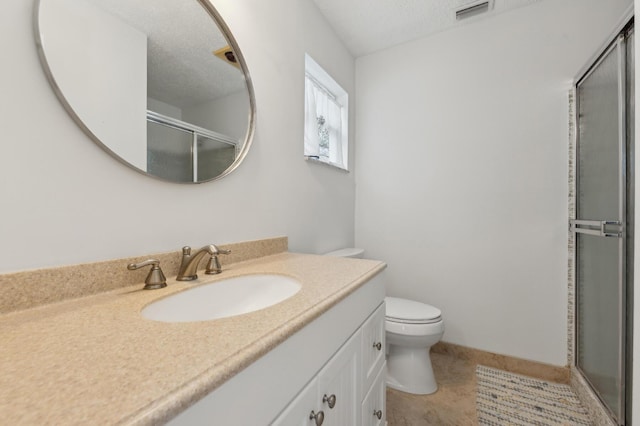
pixel 189 266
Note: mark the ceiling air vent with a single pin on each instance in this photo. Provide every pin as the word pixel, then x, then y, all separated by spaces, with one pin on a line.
pixel 227 55
pixel 473 9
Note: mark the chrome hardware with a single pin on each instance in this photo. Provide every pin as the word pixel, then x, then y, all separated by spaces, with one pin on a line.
pixel 155 278
pixel 331 400
pixel 189 265
pixel 318 417
pixel 378 414
pixel 596 227
pixel 378 345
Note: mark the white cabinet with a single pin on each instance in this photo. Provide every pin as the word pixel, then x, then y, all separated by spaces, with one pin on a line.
pixel 373 407
pixel 350 388
pixel 330 398
pixel 375 402
pixel 332 355
pixel 339 385
pixel 303 411
pixel 373 346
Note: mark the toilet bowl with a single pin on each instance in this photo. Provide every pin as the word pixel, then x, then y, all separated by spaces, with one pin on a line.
pixel 411 329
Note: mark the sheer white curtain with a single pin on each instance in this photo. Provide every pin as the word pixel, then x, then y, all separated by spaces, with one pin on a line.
pixel 334 118
pixel 311 138
pixel 319 103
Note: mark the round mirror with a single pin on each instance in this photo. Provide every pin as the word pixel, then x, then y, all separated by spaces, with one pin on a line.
pixel 159 84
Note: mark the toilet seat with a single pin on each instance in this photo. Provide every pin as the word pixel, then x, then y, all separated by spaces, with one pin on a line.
pixel 405 311
pixel 414 329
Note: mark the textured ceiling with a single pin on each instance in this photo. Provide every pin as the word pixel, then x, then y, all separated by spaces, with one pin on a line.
pixel 366 26
pixel 181 68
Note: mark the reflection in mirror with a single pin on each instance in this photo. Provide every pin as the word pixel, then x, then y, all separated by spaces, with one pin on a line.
pixel 155 82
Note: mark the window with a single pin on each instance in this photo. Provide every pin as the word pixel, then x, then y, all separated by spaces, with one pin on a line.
pixel 326 108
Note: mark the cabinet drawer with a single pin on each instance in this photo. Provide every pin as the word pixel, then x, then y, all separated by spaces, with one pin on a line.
pixel 374 404
pixel 373 346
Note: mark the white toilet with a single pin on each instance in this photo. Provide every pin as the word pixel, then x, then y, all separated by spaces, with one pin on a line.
pixel 411 329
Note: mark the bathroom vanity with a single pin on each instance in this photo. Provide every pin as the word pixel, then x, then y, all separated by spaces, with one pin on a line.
pixel 97 359
pixel 332 369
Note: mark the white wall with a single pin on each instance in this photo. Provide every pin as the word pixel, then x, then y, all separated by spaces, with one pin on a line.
pixel 63 200
pixel 227 115
pixel 462 171
pixel 86 47
pixel 164 108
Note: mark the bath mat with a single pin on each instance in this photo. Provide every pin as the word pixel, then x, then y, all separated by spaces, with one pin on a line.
pixel 505 399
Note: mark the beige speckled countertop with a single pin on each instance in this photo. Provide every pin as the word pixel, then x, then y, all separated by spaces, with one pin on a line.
pixel 96 360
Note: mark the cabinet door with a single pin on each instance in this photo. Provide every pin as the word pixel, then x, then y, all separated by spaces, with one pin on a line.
pixel 298 412
pixel 339 385
pixel 375 403
pixel 373 346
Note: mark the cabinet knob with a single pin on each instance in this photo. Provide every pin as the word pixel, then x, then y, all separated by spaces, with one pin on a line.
pixel 378 345
pixel 318 417
pixel 378 414
pixel 331 400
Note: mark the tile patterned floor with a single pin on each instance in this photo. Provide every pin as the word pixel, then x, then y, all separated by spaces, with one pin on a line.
pixel 454 404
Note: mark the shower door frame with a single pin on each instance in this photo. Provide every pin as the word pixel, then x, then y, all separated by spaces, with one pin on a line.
pixel 615 43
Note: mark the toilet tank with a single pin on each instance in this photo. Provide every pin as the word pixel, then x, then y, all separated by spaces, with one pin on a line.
pixel 347 252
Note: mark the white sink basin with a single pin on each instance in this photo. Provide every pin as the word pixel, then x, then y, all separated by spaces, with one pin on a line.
pixel 226 298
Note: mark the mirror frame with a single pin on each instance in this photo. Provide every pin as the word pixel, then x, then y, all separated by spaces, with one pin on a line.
pixel 226 32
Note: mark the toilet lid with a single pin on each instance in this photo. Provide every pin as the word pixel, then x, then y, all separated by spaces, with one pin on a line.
pixel 347 252
pixel 410 311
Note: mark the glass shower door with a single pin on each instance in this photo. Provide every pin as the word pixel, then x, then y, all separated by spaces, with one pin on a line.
pixel 600 227
pixel 169 152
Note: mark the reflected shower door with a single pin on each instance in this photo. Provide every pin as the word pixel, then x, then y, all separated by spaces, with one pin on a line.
pixel 214 157
pixel 169 152
pixel 601 227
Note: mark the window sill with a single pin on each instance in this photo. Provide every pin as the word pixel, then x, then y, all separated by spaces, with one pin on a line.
pixel 327 163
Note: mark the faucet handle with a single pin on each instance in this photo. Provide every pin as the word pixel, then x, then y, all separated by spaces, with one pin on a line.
pixel 155 278
pixel 215 250
pixel 214 267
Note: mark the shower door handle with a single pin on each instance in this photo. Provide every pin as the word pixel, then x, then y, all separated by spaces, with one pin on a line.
pixel 597 228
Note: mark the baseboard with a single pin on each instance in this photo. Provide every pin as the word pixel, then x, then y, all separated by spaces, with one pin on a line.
pixel 515 365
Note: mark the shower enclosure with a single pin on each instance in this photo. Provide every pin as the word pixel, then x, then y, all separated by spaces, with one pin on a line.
pixel 182 152
pixel 604 227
